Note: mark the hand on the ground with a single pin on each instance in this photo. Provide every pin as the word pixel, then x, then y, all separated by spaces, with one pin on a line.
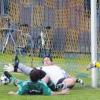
pixel 11 92
pixel 8 68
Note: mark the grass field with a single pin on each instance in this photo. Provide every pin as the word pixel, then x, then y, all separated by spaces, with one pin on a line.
pixel 85 92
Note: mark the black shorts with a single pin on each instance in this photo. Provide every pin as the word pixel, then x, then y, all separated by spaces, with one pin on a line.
pixel 60 84
pixel 60 80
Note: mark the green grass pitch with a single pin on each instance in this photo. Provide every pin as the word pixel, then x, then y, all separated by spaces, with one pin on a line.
pixel 85 92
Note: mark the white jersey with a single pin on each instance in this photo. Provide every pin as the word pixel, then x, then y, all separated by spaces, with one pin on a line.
pixel 55 73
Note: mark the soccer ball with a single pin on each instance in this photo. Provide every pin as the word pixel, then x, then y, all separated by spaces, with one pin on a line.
pixel 4 80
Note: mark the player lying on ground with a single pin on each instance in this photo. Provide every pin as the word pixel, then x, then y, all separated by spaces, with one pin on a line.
pixel 58 79
pixel 35 87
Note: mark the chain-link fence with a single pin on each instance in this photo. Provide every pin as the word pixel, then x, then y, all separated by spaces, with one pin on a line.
pixel 60 28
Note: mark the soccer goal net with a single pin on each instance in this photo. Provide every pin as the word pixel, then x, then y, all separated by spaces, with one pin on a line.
pixel 60 28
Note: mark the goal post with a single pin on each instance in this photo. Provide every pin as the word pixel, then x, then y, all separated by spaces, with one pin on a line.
pixel 94 42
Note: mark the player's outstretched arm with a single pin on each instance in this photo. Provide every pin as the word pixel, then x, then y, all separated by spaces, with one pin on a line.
pixel 62 92
pixel 9 68
pixel 12 93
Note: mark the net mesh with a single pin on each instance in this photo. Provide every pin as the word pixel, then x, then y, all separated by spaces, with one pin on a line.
pixel 67 38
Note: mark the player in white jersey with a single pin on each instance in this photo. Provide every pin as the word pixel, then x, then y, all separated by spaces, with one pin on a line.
pixel 55 73
pixel 58 76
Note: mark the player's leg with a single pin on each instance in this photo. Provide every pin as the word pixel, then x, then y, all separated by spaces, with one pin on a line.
pixel 68 83
pixel 71 81
pixel 48 81
pixel 23 68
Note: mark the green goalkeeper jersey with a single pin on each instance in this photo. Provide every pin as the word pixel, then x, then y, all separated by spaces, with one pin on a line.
pixel 27 87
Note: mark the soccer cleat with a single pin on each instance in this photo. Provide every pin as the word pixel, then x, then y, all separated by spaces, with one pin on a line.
pixel 16 63
pixel 4 80
pixel 80 81
pixel 11 78
pixel 7 74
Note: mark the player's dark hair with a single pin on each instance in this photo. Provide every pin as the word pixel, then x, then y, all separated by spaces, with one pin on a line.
pixel 36 74
pixel 48 56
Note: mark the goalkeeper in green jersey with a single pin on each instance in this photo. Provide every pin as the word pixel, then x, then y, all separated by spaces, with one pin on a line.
pixel 34 87
pixel 29 87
